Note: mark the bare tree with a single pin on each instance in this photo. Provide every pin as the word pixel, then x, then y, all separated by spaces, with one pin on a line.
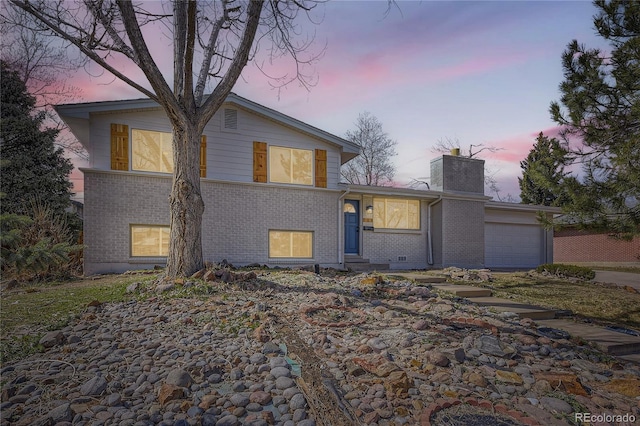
pixel 212 42
pixel 444 146
pixel 373 166
pixel 43 66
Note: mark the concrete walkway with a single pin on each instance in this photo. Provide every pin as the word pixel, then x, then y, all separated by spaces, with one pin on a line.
pixel 615 343
pixel 620 278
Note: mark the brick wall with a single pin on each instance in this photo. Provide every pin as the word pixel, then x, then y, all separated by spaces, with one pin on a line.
pixel 571 245
pixel 463 233
pixel 385 246
pixel 236 220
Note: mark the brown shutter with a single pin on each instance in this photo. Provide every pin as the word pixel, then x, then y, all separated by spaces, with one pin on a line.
pixel 321 168
pixel 119 147
pixel 203 156
pixel 259 162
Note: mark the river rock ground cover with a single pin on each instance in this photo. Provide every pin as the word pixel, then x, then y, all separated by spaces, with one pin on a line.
pixel 298 348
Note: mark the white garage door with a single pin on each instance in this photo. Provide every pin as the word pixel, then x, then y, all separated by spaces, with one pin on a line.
pixel 513 246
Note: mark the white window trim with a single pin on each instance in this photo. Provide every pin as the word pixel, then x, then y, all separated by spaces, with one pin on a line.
pixel 313 169
pixel 143 225
pixel 282 258
pixel 131 166
pixel 399 230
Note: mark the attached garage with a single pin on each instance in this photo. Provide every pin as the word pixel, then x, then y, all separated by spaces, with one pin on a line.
pixel 514 239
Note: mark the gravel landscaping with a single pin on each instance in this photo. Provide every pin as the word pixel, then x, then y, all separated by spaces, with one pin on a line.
pixel 275 347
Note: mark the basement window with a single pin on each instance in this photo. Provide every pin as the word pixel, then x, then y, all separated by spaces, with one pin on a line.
pixel 149 241
pixel 291 244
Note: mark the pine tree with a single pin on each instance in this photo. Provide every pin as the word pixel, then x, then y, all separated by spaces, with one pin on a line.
pixel 543 173
pixel 601 109
pixel 33 170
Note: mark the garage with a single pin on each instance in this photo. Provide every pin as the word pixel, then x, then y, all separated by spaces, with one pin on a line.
pixel 509 245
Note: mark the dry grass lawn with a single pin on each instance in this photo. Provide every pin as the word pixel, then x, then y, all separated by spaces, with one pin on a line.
pixel 603 303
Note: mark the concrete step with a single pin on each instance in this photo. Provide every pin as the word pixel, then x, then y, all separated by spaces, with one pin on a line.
pixel 464 290
pixel 354 259
pixel 366 267
pixel 523 310
pixel 611 342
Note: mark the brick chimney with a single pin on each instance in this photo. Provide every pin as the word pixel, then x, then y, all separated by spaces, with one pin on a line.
pixel 459 174
pixel 458 220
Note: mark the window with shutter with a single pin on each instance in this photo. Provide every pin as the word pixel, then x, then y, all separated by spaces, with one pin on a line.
pixel 119 147
pixel 290 165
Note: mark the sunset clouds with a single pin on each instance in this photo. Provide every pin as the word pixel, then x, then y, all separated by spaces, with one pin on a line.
pixel 481 72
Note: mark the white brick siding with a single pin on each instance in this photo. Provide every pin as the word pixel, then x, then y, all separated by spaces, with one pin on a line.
pixel 236 220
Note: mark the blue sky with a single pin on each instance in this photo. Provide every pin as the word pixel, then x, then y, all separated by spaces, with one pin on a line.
pixel 480 72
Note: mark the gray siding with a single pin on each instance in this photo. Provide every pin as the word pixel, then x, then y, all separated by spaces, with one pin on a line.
pixel 229 152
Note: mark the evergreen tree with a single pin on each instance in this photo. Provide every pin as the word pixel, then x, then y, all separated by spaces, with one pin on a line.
pixel 543 173
pixel 33 170
pixel 601 109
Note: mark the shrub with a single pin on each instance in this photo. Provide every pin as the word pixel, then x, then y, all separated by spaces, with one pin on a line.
pixel 37 247
pixel 572 271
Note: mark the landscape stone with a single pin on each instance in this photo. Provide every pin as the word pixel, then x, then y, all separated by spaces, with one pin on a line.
pixel 555 404
pixel 52 338
pixel 95 386
pixel 179 377
pixel 198 360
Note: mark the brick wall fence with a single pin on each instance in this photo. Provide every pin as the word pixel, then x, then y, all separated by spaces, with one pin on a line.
pixel 572 245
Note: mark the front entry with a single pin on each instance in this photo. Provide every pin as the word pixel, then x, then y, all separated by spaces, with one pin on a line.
pixel 351 226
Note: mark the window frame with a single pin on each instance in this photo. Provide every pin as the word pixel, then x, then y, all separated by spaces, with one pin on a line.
pixel 133 156
pixel 270 168
pixel 292 232
pixel 376 201
pixel 145 225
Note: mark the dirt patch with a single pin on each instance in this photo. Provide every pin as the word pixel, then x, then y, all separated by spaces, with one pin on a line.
pixel 320 389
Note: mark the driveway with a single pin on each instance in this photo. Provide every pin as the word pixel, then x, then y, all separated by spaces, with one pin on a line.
pixel 620 278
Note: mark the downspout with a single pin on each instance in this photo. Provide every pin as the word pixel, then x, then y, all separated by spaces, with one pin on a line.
pixel 429 239
pixel 341 228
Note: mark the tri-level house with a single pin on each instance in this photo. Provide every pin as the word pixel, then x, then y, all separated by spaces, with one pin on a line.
pixel 272 192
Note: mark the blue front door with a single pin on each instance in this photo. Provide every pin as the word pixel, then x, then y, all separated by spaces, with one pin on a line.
pixel 351 226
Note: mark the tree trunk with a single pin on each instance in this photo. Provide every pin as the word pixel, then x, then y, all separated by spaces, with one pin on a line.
pixel 186 204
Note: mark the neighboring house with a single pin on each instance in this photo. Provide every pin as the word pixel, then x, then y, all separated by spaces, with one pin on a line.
pixel 272 196
pixel 586 246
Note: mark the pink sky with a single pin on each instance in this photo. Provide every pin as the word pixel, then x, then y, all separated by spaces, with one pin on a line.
pixel 480 72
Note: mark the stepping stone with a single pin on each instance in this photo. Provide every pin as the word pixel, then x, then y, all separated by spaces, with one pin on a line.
pixel 523 310
pixel 420 278
pixel 611 342
pixel 464 290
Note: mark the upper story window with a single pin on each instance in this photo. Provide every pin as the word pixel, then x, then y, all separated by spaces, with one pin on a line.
pixel 394 213
pixel 151 151
pixel 290 165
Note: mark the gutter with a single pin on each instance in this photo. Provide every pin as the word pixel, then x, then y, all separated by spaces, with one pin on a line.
pixel 341 227
pixel 429 239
